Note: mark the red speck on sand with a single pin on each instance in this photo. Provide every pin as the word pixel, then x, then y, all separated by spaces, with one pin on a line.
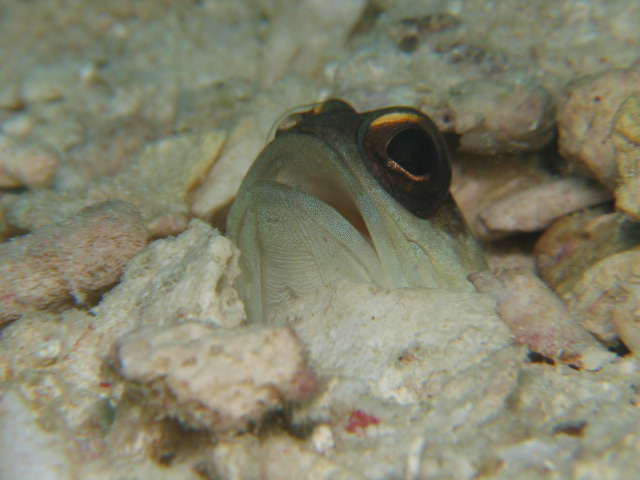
pixel 359 420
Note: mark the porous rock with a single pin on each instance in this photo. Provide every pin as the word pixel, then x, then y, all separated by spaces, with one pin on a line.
pixel 69 261
pixel 575 242
pixel 57 359
pixel 189 277
pixel 606 293
pixel 625 136
pixel 158 182
pixel 584 121
pixel 279 456
pixel 404 343
pixel 591 260
pixel 501 117
pixel 216 379
pixel 27 450
pixel 539 319
pixel 480 182
pixel 535 208
pixel 25 165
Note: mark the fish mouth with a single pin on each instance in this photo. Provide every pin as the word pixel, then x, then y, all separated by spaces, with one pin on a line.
pixel 330 191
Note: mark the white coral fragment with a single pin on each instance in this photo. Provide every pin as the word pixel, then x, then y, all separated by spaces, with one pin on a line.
pixel 218 379
pixel 278 456
pixel 405 343
pixel 26 450
pixel 189 277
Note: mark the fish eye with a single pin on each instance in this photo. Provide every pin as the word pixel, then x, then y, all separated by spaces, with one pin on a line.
pixel 412 149
pixel 406 153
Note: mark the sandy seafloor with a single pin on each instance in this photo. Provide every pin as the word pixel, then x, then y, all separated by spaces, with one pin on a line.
pixel 165 104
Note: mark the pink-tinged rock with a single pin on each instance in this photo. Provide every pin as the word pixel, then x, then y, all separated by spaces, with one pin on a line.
pixel 535 208
pixel 69 261
pixel 539 319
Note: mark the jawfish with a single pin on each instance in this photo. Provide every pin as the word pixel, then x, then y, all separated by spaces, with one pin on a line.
pixel 339 194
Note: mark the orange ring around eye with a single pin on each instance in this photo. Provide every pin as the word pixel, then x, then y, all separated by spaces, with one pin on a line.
pixel 394 117
pixel 406 153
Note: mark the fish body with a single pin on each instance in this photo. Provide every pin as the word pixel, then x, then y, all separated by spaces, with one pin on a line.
pixel 362 197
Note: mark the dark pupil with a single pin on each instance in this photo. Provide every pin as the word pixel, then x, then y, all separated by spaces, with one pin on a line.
pixel 413 150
